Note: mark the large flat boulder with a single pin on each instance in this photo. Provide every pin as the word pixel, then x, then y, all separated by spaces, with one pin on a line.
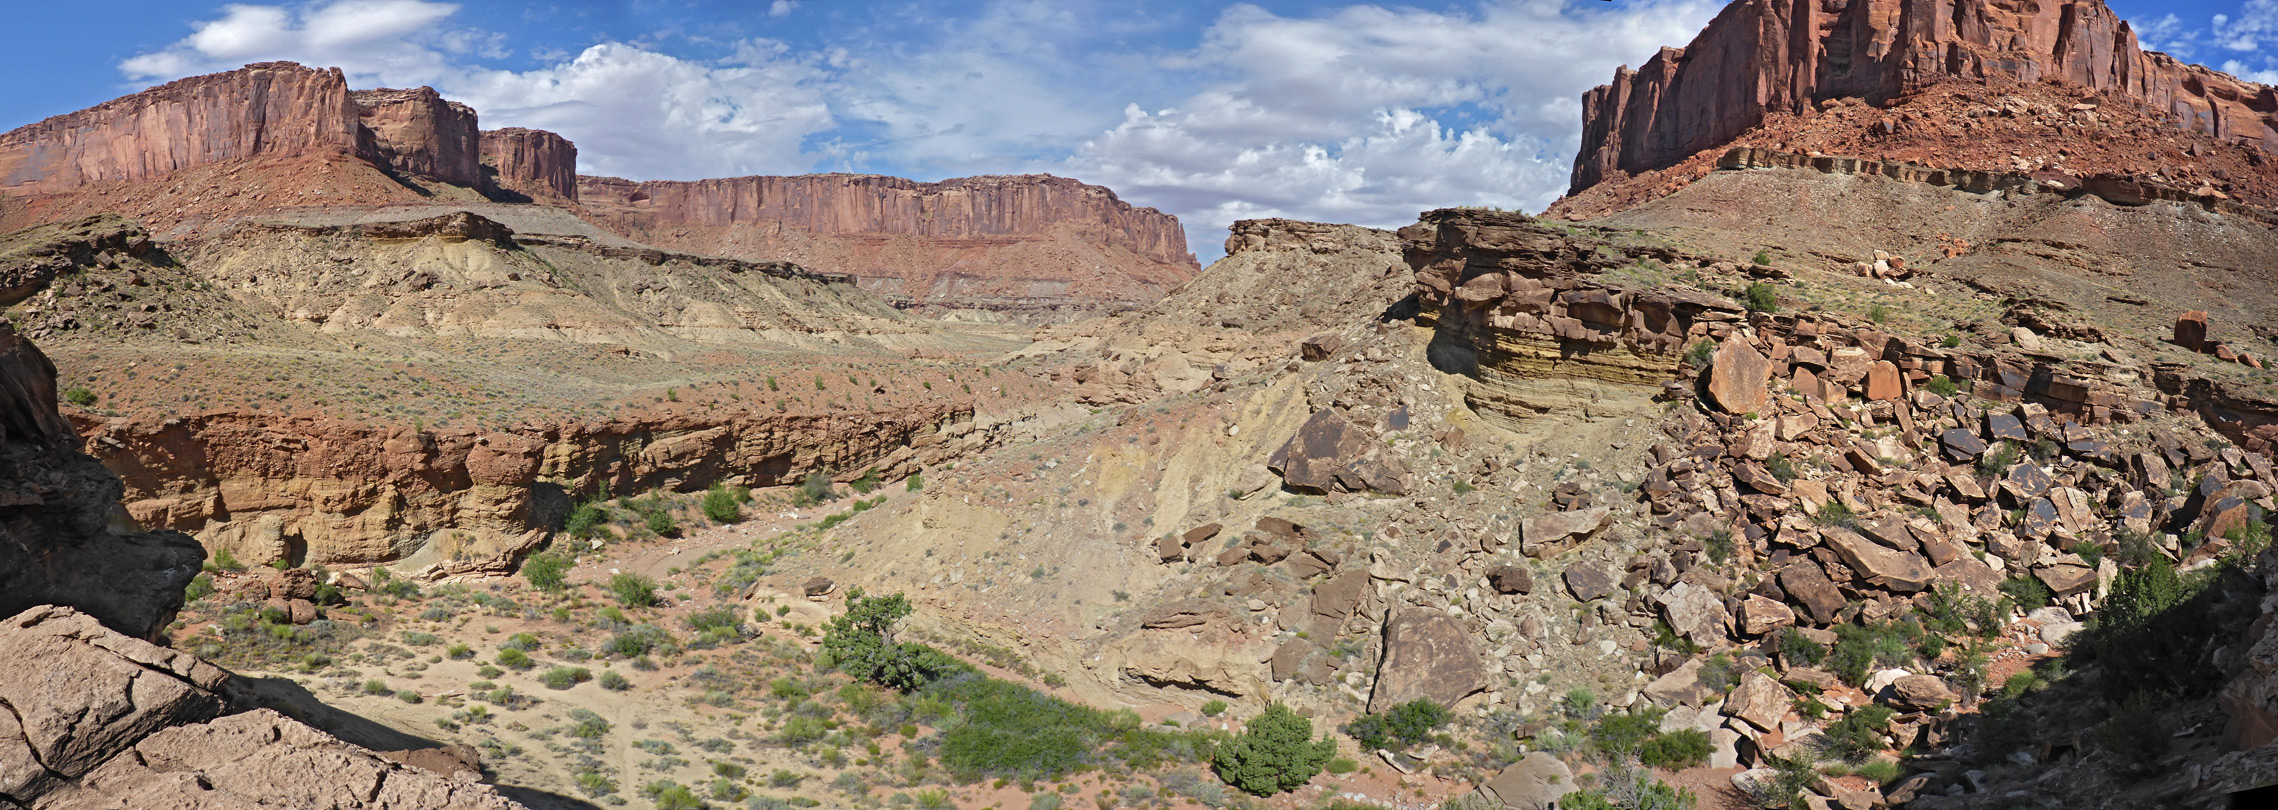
pixel 1535 782
pixel 1878 565
pixel 1331 454
pixel 1737 377
pixel 1549 533
pixel 1427 654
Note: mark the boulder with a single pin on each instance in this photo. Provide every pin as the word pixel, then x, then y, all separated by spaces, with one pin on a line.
pixel 1761 615
pixel 817 586
pixel 1427 654
pixel 1510 579
pixel 1588 582
pixel 1552 532
pixel 1169 549
pixel 1320 347
pixel 1335 599
pixel 2191 330
pixel 1290 657
pixel 2066 580
pixel 1678 687
pixel 1960 445
pixel 1808 586
pixel 1877 565
pixel 1330 454
pixel 1921 693
pixel 1694 612
pixel 293 583
pixel 1535 782
pixel 1760 701
pixel 1737 377
pixel 1182 613
pixel 1884 382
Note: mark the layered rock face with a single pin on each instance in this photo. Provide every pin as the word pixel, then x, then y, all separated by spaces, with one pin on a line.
pixel 417 132
pixel 263 110
pixel 1005 243
pixel 61 541
pixel 530 162
pixel 1764 56
pixel 1522 308
pixel 274 111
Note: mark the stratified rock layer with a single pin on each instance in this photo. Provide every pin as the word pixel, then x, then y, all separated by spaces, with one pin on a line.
pixel 417 132
pixel 264 110
pixel 1765 56
pixel 1008 243
pixel 531 162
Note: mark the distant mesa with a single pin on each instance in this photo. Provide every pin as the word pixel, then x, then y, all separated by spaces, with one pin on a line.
pixel 276 136
pixel 1763 57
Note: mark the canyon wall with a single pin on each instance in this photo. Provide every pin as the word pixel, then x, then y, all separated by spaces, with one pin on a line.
pixel 1764 56
pixel 269 109
pixel 417 132
pixel 280 110
pixel 530 162
pixel 1004 242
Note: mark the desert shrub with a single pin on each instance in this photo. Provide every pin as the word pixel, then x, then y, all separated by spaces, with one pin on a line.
pixel 1859 734
pixel 1401 726
pixel 410 696
pixel 1624 786
pixel 866 484
pixel 1274 754
pixel 1998 459
pixel 587 725
pixel 1763 297
pixel 637 640
pixel 660 523
pixel 1341 766
pixel 1763 257
pixel 559 678
pixel 1790 779
pixel 1214 708
pixel 670 795
pixel 2156 632
pixel 1676 750
pixel 860 643
pixel 813 490
pixel 1878 313
pixel 1579 703
pixel 1623 734
pixel 459 652
pixel 724 505
pixel 1858 650
pixel 1699 354
pixel 526 642
pixel 1879 771
pixel 1836 513
pixel 1720 546
pixel 511 658
pixel 1953 612
pixel 716 618
pixel 547 571
pixel 585 521
pixel 595 784
pixel 634 590
pixel 224 561
pixel 1943 386
pixel 79 396
pixel 201 586
pixel 2027 592
pixel 1800 649
pixel 614 682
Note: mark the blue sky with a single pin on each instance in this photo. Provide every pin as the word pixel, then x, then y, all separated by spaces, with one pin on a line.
pixel 1214 111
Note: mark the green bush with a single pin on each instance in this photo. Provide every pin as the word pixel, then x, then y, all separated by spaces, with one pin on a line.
pixel 724 505
pixel 1859 734
pixel 80 397
pixel 1763 297
pixel 860 643
pixel 1998 460
pixel 1403 725
pixel 586 520
pixel 547 571
pixel 2027 592
pixel 459 652
pixel 1676 750
pixel 1341 766
pixel 1623 734
pixel 916 482
pixel 614 682
pixel 1623 786
pixel 1275 754
pixel 867 483
pixel 637 641
pixel 511 658
pixel 660 523
pixel 634 590
pixel 1800 649
pixel 1943 386
pixel 1835 513
pixel 1702 350
pixel 201 586
pixel 559 678
pixel 2155 634
pixel 1858 650
pixel 1214 708
pixel 670 795
pixel 225 561
pixel 815 489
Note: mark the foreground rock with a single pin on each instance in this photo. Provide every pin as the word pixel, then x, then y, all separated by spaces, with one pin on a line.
pixel 107 721
pixel 57 544
pixel 1331 454
pixel 1427 654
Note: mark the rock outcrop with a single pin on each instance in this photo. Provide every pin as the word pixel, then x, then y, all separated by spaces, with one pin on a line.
pixel 1765 56
pixel 106 721
pixel 60 539
pixel 417 132
pixel 533 163
pixel 1007 243
pixel 274 111
pixel 262 110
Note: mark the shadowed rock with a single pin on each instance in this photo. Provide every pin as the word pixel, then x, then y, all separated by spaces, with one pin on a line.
pixel 1427 654
pixel 1330 454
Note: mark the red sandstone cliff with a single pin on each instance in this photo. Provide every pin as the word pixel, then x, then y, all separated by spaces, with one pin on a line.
pixel 1761 57
pixel 530 162
pixel 276 113
pixel 1001 242
pixel 417 132
pixel 263 110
